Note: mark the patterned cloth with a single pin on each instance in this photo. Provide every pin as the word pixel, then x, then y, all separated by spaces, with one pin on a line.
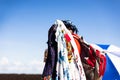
pixel 67 70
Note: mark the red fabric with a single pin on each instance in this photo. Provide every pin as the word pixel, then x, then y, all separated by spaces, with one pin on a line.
pixel 102 63
pixel 91 60
pixel 67 37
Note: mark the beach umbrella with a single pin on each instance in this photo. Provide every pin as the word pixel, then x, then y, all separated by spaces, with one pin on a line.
pixel 112 53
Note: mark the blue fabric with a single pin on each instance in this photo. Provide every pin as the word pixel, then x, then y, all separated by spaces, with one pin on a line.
pixel 103 46
pixel 110 73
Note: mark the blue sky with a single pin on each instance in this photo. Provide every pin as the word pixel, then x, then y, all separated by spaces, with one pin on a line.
pixel 24 27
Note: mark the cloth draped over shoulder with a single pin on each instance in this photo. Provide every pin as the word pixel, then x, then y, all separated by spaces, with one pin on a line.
pixel 57 64
pixel 65 70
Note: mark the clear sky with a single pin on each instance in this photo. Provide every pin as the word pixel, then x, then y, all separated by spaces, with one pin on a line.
pixel 24 27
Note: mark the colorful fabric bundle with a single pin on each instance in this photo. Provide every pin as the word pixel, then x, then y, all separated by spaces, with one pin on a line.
pixel 71 58
pixel 93 60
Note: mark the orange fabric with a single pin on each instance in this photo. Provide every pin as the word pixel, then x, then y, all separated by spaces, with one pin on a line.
pixel 78 45
pixel 77 42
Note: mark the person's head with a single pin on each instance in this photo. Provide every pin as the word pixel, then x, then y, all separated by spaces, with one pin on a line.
pixel 70 26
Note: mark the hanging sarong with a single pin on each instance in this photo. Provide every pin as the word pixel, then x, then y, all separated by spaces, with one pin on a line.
pixel 67 70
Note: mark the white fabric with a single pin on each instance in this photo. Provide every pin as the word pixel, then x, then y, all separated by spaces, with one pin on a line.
pixel 75 69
